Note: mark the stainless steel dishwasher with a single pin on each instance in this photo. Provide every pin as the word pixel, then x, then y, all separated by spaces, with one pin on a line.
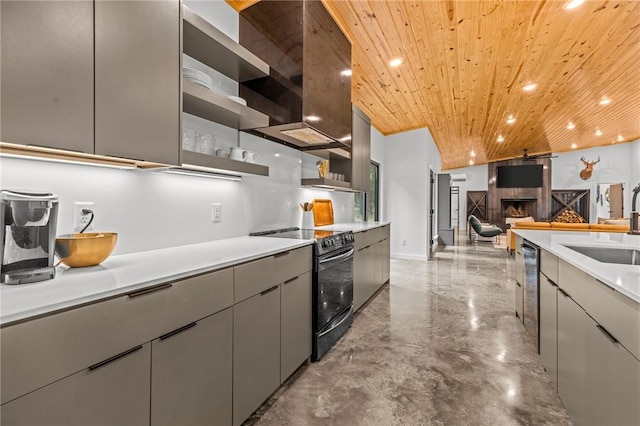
pixel 531 294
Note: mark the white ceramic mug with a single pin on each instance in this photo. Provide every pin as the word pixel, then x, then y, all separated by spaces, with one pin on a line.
pixel 251 157
pixel 238 154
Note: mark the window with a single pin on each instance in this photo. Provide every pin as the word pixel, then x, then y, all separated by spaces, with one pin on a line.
pixel 367 204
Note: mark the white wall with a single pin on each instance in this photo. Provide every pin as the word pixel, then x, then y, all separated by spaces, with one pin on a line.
pixel 615 166
pixel 407 157
pixel 152 210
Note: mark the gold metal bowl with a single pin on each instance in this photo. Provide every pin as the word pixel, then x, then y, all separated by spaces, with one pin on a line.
pixel 90 249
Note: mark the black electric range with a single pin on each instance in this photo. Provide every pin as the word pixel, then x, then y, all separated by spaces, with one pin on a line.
pixel 332 294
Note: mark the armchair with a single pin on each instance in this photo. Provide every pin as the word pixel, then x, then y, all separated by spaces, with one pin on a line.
pixel 487 231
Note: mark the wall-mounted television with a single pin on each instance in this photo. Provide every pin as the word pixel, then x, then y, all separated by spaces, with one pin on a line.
pixel 527 176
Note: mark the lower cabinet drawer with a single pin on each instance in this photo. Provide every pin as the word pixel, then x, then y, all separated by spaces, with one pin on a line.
pixel 115 393
pixel 38 352
pixel 293 263
pixel 617 313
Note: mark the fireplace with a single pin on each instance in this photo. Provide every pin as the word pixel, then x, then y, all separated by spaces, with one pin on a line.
pixel 518 207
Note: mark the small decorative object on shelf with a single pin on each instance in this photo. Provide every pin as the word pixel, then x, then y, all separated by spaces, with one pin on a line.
pixel 323 167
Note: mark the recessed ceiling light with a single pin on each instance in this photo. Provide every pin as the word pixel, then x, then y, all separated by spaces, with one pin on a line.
pixel 574 146
pixel 571 126
pixel 346 73
pixel 572 4
pixel 500 138
pixel 395 62
pixel 598 132
pixel 511 119
pixel 276 154
pixel 472 153
pixel 529 87
pixel 605 101
pixel 620 138
pixel 471 162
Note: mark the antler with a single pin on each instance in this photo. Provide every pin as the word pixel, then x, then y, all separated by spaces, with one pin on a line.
pixel 584 161
pixel 597 161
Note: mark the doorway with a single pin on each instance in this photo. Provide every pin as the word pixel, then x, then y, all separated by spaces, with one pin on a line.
pixel 609 200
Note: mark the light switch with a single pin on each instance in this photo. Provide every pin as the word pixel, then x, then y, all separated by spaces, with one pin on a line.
pixel 216 212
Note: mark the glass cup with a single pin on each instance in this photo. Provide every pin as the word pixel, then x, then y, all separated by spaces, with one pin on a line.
pixel 206 143
pixel 189 138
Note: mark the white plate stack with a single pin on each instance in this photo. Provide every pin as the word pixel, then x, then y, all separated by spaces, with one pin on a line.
pixel 198 77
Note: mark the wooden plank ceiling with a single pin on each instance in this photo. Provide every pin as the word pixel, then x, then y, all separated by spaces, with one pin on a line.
pixel 465 64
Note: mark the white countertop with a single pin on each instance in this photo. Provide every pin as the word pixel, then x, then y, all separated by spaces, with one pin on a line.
pixel 129 272
pixel 623 278
pixel 352 226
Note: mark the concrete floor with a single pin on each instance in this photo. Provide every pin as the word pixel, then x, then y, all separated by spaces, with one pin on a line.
pixel 439 345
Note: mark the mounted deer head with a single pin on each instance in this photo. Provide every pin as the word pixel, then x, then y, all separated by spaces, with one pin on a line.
pixel 588 168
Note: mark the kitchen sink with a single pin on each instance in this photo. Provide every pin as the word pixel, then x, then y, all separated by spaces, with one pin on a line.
pixel 623 256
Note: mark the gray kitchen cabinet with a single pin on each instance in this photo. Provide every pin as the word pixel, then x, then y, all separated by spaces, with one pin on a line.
pixel 137 80
pixel 613 379
pixel 360 150
pixel 295 327
pixel 254 277
pixel 549 327
pixel 386 259
pixel 38 352
pixel 363 276
pixel 572 358
pixel 377 265
pixel 519 260
pixel 191 380
pixel 519 301
pixel 46 69
pixel 256 352
pixel 112 392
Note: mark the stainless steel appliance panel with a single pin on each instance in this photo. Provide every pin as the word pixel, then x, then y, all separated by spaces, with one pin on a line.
pixel 531 295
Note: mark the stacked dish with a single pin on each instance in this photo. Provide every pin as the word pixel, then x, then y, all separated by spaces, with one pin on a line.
pixel 198 77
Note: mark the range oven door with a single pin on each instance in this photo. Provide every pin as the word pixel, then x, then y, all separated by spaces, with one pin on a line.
pixel 334 291
pixel 332 299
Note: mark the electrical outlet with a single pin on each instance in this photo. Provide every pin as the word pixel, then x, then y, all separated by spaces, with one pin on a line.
pixel 403 242
pixel 80 220
pixel 216 212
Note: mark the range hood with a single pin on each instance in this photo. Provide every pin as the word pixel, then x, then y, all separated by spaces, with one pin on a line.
pixel 307 94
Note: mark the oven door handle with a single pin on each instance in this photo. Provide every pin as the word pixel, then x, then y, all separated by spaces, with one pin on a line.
pixel 338 324
pixel 338 257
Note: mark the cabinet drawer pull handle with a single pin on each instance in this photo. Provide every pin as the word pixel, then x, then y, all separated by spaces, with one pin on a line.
pixel 609 335
pixel 269 290
pixel 291 280
pixel 551 282
pixel 284 253
pixel 606 285
pixel 518 284
pixel 178 330
pixel 113 358
pixel 564 293
pixel 149 290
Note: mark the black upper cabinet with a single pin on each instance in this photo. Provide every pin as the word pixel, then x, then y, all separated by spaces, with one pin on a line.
pixel 307 86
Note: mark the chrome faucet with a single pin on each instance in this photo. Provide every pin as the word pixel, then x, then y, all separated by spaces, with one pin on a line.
pixel 634 226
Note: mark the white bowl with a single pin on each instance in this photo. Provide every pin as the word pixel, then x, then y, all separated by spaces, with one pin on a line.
pixel 238 99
